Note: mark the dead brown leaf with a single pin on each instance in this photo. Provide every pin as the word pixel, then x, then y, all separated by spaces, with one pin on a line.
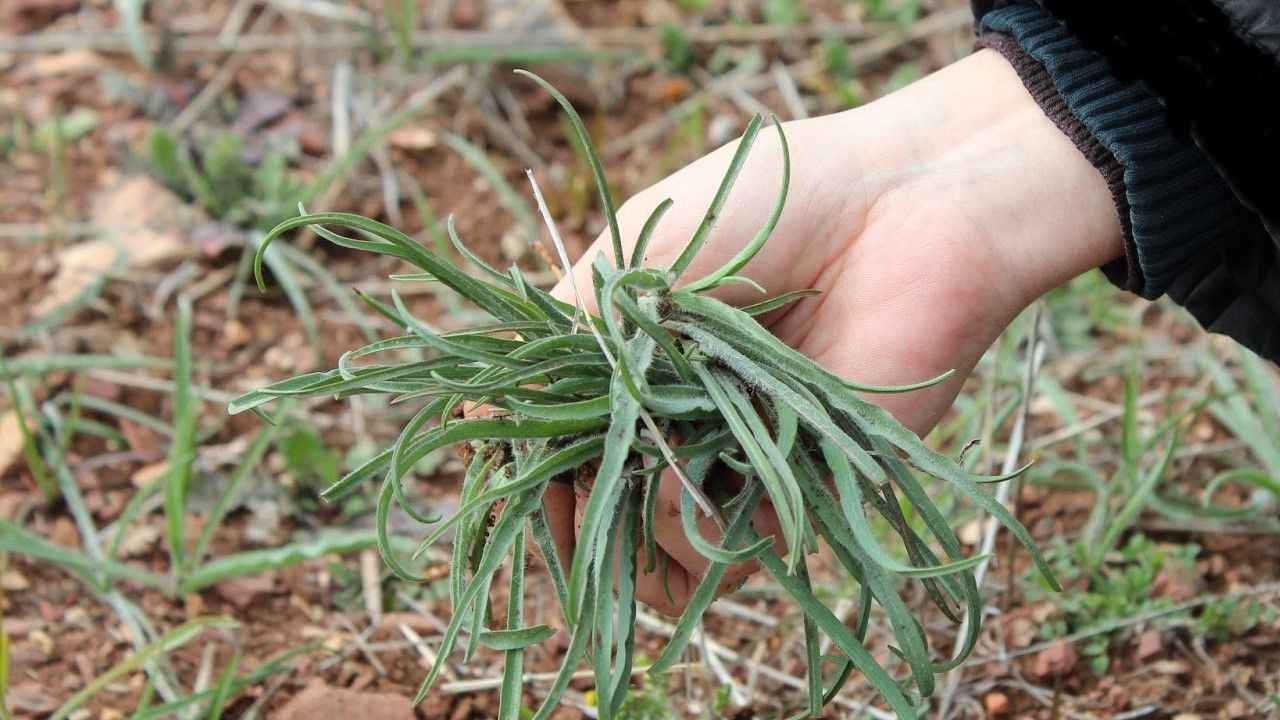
pixel 1056 660
pixel 141 221
pixel 71 62
pixel 245 591
pixel 319 700
pixel 10 440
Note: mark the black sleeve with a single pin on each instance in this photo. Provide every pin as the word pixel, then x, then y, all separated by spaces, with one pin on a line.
pixel 1173 101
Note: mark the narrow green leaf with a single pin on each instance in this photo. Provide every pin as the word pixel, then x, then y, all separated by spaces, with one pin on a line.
pixel 517 639
pixel 182 449
pixel 167 643
pixel 646 233
pixel 593 159
pixel 709 219
pixel 744 256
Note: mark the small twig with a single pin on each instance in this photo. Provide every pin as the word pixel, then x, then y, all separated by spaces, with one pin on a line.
pixel 220 80
pixel 203 676
pixel 1102 418
pixel 233 26
pixel 725 606
pixel 790 93
pixel 1035 356
pixel 361 642
pixel 273 688
pixel 425 651
pixel 749 80
pixel 340 108
pixel 699 497
pixel 342 12
pixel 736 694
pixel 371 584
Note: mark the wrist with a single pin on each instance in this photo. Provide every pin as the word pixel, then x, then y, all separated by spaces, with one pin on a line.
pixel 1037 212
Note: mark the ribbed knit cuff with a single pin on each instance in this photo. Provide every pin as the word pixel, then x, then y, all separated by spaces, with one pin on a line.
pixel 1172 203
pixel 1124 272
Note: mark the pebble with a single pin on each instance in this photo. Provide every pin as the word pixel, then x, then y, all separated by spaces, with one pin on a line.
pixel 996 703
pixel 14 581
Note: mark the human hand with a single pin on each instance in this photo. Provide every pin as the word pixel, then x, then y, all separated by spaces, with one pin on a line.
pixel 928 219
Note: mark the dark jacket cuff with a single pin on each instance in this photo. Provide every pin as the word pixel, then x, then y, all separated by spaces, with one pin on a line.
pixel 1124 271
pixel 1173 204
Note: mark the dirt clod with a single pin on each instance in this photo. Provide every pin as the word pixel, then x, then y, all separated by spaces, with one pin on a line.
pixel 1055 660
pixel 321 701
pixel 996 703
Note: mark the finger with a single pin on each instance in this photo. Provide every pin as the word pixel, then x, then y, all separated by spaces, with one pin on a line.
pixel 558 504
pixel 671 536
pixel 666 589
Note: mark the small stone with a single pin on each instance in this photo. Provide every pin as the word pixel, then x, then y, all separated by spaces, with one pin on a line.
pixel 721 130
pixel 513 245
pixel 1150 644
pixel 148 474
pixel 413 138
pixel 193 605
pixel 245 591
pixel 1170 667
pixel 77 616
pixel 334 643
pixel 236 334
pixel 42 641
pixel 1022 632
pixel 321 701
pixel 1042 612
pixel 64 533
pixel 1237 709
pixel 971 532
pixel 1055 661
pixel 13 581
pixel 110 714
pixel 997 704
pixel 29 697
pixel 139 540
pixel 1186 716
pixel 81 714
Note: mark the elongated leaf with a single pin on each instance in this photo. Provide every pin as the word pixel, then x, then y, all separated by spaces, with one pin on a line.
pixel 250 562
pixel 606 491
pixel 516 639
pixel 14 539
pixel 182 449
pixel 744 256
pixel 593 159
pixel 700 235
pixel 646 233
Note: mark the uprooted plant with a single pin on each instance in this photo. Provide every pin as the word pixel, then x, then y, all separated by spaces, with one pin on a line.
pixel 602 396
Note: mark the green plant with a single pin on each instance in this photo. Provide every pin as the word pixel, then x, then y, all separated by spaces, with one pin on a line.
pixel 580 396
pixel 676 48
pixel 902 12
pixel 223 182
pixel 96 562
pixel 1120 589
pixel 783 12
pixel 1142 467
pixel 1231 618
